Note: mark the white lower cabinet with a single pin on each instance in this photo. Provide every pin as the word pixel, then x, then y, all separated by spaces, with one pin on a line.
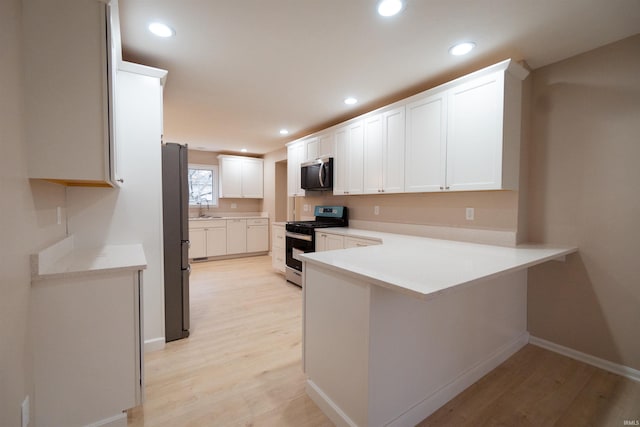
pixel 87 347
pixel 278 248
pixel 330 241
pixel 207 238
pixel 257 235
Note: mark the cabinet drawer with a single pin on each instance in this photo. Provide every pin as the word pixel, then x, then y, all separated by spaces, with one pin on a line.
pixel 278 237
pixel 207 223
pixel 355 242
pixel 258 221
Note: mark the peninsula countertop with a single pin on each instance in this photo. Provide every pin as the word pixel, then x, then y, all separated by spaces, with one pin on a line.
pixel 425 267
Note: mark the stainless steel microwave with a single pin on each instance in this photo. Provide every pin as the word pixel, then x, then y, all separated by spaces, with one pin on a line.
pixel 317 175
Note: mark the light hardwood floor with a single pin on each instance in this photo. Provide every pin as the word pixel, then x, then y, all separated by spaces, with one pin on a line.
pixel 241 366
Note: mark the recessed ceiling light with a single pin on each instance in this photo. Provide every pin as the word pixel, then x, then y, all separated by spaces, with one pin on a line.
pixel 161 30
pixel 244 150
pixel 462 48
pixel 284 132
pixel 390 7
pixel 350 100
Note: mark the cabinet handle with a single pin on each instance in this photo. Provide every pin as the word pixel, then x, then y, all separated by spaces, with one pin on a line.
pixel 120 180
pixel 441 187
pixel 446 188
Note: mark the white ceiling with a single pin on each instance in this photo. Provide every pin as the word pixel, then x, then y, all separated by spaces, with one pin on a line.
pixel 240 70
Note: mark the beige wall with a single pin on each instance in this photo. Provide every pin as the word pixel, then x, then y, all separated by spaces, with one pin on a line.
pixel 27 223
pixel 494 210
pixel 273 186
pixel 585 191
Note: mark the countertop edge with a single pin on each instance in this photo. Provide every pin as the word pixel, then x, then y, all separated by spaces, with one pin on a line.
pixel 406 288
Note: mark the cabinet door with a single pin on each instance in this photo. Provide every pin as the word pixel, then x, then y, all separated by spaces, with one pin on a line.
pixel 216 241
pixel 230 177
pixel 278 236
pixel 312 149
pixel 236 236
pixel 257 238
pixel 326 144
pixel 340 161
pixel 474 139
pixel 354 242
pixel 334 242
pixel 66 91
pixel 295 155
pixel 252 178
pixel 355 158
pixel 197 243
pixel 372 166
pixel 393 145
pixel 426 144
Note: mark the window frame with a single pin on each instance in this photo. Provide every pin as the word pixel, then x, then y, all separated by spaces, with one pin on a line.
pixel 215 178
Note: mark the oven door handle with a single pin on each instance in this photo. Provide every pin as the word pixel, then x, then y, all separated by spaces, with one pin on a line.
pixel 299 236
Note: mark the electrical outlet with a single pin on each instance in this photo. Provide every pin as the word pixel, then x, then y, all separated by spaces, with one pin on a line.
pixel 470 214
pixel 25 412
pixel 376 210
pixel 306 208
pixel 59 215
pixel 234 205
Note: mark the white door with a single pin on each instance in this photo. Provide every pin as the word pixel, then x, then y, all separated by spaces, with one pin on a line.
pixel 393 145
pixel 340 161
pixel 426 144
pixel 216 241
pixel 236 236
pixel 252 178
pixel 474 138
pixel 197 243
pixel 373 163
pixel 231 177
pixel 257 238
pixel 355 158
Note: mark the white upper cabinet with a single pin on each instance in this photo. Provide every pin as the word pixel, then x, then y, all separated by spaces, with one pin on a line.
pixel 296 153
pixel 349 159
pixel 241 177
pixel 465 135
pixel 384 144
pixel 69 60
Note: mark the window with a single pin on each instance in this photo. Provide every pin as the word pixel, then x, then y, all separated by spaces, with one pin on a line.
pixel 203 185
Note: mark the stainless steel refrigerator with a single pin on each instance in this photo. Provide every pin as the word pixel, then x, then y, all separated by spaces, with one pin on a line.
pixel 175 212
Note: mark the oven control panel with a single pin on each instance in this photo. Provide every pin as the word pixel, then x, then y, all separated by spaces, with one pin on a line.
pixel 329 211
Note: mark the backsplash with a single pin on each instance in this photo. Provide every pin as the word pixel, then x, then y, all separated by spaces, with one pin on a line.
pixel 494 210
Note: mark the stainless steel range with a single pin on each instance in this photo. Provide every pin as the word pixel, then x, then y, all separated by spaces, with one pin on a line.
pixel 301 237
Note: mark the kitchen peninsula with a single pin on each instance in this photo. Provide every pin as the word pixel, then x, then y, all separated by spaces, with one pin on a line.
pixel 393 331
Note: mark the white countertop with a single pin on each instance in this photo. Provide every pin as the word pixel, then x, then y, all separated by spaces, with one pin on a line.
pixel 63 260
pixel 227 216
pixel 425 267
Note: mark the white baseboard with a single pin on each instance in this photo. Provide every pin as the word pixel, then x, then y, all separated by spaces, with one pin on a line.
pixel 154 344
pixel 327 406
pixel 119 420
pixel 624 371
pixel 436 400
